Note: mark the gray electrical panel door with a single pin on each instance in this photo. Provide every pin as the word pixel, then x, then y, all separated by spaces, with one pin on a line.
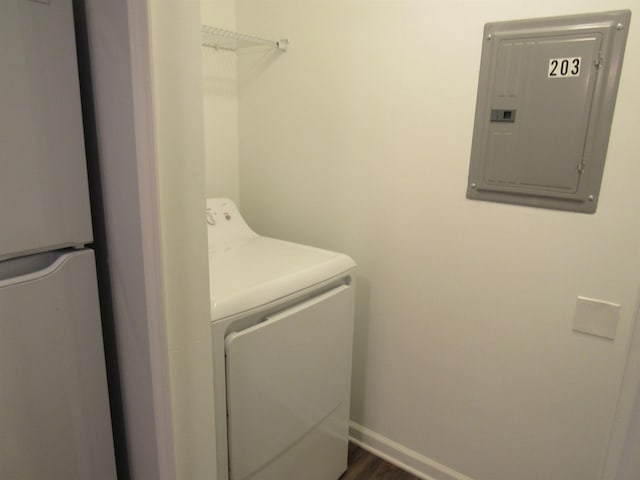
pixel 543 115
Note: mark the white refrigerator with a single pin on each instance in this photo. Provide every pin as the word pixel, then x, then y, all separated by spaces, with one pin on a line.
pixel 54 407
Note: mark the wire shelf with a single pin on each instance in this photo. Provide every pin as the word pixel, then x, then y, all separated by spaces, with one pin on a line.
pixel 221 39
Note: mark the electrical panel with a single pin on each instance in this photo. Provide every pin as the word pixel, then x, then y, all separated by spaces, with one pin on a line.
pixel 546 96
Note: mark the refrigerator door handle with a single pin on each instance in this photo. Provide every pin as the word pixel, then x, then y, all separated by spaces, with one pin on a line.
pixel 32 267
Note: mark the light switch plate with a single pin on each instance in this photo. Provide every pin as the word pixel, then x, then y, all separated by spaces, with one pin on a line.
pixel 596 317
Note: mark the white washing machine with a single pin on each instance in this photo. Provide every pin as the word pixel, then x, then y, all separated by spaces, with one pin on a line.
pixel 282 332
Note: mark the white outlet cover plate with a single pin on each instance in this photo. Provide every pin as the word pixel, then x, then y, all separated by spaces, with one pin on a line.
pixel 596 317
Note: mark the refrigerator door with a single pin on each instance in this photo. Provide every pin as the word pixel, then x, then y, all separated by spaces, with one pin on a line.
pixel 44 200
pixel 54 411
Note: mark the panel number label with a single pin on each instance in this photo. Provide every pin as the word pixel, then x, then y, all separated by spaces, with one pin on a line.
pixel 564 67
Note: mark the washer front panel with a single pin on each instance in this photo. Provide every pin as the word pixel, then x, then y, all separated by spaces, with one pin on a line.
pixel 286 376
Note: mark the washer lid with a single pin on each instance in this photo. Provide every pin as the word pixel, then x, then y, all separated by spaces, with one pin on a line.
pixel 250 272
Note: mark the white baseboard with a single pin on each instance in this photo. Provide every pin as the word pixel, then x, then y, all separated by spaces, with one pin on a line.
pixel 408 460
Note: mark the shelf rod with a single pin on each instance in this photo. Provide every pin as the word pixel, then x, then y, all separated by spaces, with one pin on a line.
pixel 221 39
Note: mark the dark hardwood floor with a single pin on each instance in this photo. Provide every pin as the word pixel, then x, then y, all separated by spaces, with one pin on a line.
pixel 366 466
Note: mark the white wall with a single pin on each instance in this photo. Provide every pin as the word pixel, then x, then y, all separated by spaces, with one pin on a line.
pixel 116 74
pixel 627 426
pixel 358 139
pixel 220 80
pixel 630 462
pixel 177 73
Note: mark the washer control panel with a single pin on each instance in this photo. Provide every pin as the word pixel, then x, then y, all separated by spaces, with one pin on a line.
pixel 224 222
